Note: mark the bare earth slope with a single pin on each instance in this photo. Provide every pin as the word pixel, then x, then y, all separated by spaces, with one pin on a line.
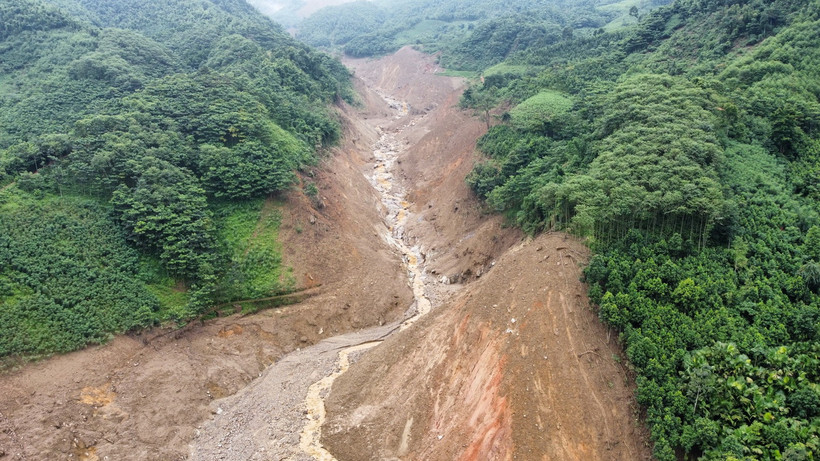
pixel 510 364
pixel 268 420
pixel 458 237
pixel 517 366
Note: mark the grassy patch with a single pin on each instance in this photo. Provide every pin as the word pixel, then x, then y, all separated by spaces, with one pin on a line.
pixel 622 9
pixel 173 296
pixel 504 68
pixel 429 30
pixel 251 251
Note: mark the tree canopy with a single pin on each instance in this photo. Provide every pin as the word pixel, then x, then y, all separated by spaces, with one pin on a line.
pixel 156 124
pixel 684 149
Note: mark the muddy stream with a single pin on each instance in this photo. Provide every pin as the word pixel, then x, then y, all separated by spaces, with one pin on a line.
pixel 225 438
pixel 385 153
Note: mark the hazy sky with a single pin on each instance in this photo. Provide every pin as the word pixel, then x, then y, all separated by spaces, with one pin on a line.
pixel 302 8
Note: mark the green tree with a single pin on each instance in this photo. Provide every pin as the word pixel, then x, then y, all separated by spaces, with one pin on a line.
pixel 167 214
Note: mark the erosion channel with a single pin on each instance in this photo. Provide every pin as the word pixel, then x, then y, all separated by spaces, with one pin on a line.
pixel 270 406
pixel 432 331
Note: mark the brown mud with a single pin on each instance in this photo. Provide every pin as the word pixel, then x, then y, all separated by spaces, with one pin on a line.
pixel 511 362
pixel 514 365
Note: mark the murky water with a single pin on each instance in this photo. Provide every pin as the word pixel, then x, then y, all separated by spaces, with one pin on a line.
pixel 393 197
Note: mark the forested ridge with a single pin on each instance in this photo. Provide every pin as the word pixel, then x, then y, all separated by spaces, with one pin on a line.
pixel 686 150
pixel 138 141
pixel 468 35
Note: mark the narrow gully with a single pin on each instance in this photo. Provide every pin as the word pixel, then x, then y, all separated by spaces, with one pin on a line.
pixel 393 197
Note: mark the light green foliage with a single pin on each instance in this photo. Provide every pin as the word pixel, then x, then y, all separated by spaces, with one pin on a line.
pixel 249 235
pixel 504 68
pixel 539 111
pixel 427 33
pixel 174 297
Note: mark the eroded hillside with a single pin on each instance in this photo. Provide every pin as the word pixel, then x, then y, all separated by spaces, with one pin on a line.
pixel 511 361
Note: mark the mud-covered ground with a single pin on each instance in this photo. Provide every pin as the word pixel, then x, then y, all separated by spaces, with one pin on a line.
pixel 516 365
pixel 512 363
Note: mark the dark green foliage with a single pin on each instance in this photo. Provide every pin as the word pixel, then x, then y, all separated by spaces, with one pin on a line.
pixel 154 109
pixel 493 40
pixel 30 16
pixel 338 25
pixel 369 45
pixel 471 34
pixel 166 212
pixel 689 159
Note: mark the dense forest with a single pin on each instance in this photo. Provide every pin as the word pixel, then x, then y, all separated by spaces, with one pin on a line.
pixel 138 142
pixel 686 150
pixel 469 35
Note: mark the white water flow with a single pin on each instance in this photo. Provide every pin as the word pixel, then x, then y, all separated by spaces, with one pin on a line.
pixel 385 153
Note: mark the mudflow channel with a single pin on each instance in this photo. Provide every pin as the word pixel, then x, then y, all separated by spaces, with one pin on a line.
pixel 280 415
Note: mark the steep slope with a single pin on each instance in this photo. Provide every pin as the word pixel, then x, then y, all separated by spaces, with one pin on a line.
pixel 687 151
pixel 262 423
pixel 476 362
pixel 519 367
pixel 456 235
pixel 517 364
pixel 138 143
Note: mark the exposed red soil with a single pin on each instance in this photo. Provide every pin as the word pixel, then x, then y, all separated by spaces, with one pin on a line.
pixel 512 365
pixel 451 225
pixel 517 365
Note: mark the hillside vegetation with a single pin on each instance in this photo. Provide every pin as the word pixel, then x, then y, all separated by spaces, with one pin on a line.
pixel 138 140
pixel 470 35
pixel 686 149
